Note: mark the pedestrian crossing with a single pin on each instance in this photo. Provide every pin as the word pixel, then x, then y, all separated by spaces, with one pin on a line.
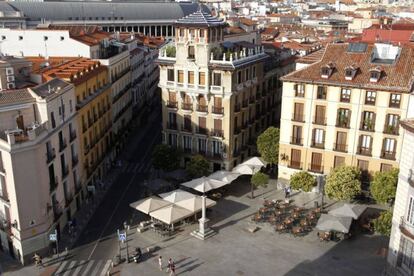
pixel 83 268
pixel 136 167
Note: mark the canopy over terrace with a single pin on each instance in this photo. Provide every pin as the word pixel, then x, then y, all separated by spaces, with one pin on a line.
pixel 332 223
pixel 177 195
pixel 250 166
pixel 149 204
pixel 349 210
pixel 171 214
pixel 204 184
pixel 224 176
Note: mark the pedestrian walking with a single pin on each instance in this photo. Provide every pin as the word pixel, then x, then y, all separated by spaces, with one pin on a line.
pixel 160 262
pixel 288 191
pixel 285 191
pixel 172 273
pixel 170 261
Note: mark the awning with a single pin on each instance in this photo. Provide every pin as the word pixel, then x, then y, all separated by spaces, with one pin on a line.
pixel 224 176
pixel 177 195
pixel 348 210
pixel 171 214
pixel 333 223
pixel 195 204
pixel 149 204
pixel 204 184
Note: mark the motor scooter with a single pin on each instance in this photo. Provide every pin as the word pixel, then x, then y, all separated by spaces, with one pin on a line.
pixel 137 256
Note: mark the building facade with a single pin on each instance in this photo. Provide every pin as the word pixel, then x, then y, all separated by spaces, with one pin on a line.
pixel 345 110
pixel 214 104
pixel 38 136
pixel 401 249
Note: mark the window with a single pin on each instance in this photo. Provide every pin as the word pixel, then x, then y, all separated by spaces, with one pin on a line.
pixel 295 159
pixel 216 147
pixel 344 117
pixel 368 121
pixel 172 140
pixel 392 123
pixel 191 77
pixel 365 145
pixel 375 76
pixel 180 76
pixel 363 165
pixel 321 93
pixel 370 97
pixel 170 75
pixel 62 38
pixel 298 114
pixel 339 161
pixel 52 116
pixel 45 38
pixel 202 145
pixel 316 162
pixel 239 77
pixel 297 135
pixel 410 211
pixel 217 79
pixel 187 143
pixel 405 257
pixel 318 140
pixel 191 52
pixel 320 115
pixel 181 32
pixel 385 167
pixel 340 144
pixel 201 33
pixel 395 100
pixel 202 78
pixel 299 90
pixel 388 148
pixel 254 72
pixel 345 95
pixel 20 37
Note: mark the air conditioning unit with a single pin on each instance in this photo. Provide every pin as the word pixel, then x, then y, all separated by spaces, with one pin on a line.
pixel 11 85
pixel 10 78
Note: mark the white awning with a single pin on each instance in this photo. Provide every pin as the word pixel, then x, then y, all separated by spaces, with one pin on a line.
pixel 224 176
pixel 204 184
pixel 176 196
pixel 171 214
pixel 149 204
pixel 348 210
pixel 195 204
pixel 333 223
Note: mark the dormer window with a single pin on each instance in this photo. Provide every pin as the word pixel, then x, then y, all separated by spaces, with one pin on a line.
pixel 327 70
pixel 375 74
pixel 350 72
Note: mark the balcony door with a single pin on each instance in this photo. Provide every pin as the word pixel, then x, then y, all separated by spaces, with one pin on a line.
pixel 316 162
pixel 320 114
pixel 295 158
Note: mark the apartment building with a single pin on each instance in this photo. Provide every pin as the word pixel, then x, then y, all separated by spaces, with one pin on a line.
pixel 400 259
pixel 345 110
pixel 214 98
pixel 39 170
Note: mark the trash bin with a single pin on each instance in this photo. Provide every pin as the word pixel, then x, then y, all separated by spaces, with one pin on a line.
pixel 316 204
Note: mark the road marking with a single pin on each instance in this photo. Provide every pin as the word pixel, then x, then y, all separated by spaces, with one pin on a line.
pixel 106 268
pixel 88 267
pixel 119 202
pixel 79 267
pixel 61 267
pixel 71 265
pixel 98 265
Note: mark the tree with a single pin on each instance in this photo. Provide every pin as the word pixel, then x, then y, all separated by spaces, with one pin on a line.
pixel 257 180
pixel 170 51
pixel 268 145
pixel 343 183
pixel 384 186
pixel 302 181
pixel 198 166
pixel 383 223
pixel 166 158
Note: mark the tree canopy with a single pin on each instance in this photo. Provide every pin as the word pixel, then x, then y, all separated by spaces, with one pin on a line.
pixel 258 179
pixel 384 186
pixel 198 167
pixel 165 157
pixel 383 223
pixel 343 183
pixel 302 181
pixel 268 145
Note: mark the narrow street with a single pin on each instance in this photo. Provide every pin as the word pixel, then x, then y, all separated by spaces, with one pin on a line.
pixel 98 240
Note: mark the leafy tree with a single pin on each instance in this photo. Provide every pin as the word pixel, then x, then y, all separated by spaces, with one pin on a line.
pixel 383 223
pixel 343 183
pixel 302 181
pixel 384 186
pixel 166 158
pixel 257 180
pixel 170 51
pixel 268 145
pixel 198 166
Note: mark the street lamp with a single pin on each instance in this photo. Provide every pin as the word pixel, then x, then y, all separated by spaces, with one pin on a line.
pixel 126 227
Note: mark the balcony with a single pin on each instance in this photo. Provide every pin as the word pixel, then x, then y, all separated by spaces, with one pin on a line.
pixel 237 130
pixel 296 140
pixel 236 152
pixel 217 133
pixel 75 161
pixel 343 122
pixel 391 129
pixel 319 120
pixel 68 200
pixel 390 155
pixel 172 104
pixel 62 144
pixel 318 144
pixel 245 103
pixel 236 57
pixel 218 110
pixel 395 104
pixel 65 171
pixel 295 164
pixel 237 108
pixel 367 125
pixel 72 135
pixel 406 228
pixel 364 151
pixel 340 147
pixel 50 155
pixel 202 108
pixel 57 212
pixel 252 100
pixel 187 128
pixel 315 168
pixel 84 127
pixel 4 196
pixel 172 126
pixel 30 133
pixel 187 106
pixel 202 130
pixel 252 120
pixel 53 183
pixel 297 117
pixel 92 96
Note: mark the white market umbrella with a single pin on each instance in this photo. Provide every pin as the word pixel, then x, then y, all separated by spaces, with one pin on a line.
pixel 246 169
pixel 176 196
pixel 348 210
pixel 224 176
pixel 195 204
pixel 149 204
pixel 204 184
pixel 254 161
pixel 332 223
pixel 171 214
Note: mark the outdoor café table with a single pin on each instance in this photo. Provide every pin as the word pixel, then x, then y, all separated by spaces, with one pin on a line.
pixel 280 227
pixel 297 230
pixel 304 222
pixel 288 221
pixel 296 215
pixel 312 216
pixel 297 209
pixel 272 219
pixel 278 212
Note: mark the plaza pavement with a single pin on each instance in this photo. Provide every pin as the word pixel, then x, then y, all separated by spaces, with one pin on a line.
pixel 236 251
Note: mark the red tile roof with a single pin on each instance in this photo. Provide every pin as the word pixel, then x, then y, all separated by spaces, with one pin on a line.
pixel 381 35
pixel 394 77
